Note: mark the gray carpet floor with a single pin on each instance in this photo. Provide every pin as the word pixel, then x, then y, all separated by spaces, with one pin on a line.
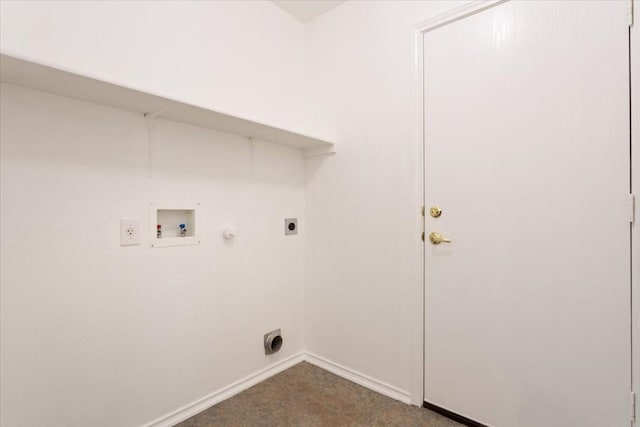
pixel 308 396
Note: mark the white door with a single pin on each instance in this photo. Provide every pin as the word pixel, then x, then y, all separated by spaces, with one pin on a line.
pixel 527 309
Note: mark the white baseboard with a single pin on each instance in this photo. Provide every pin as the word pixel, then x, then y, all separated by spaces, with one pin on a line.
pixel 208 401
pixel 358 378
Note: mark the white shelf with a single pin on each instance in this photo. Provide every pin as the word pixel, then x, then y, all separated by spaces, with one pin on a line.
pixel 32 75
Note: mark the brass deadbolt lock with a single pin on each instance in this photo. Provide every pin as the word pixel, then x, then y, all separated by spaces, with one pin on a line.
pixel 435 211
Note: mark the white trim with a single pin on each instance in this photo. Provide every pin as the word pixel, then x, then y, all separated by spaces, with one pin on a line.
pixel 457 14
pixel 635 182
pixel 359 378
pixel 417 330
pixel 417 177
pixel 231 390
pixel 209 400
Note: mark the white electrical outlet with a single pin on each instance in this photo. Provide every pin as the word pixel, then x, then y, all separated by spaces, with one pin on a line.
pixel 130 231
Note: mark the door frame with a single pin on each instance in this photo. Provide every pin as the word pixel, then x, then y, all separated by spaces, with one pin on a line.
pixel 418 198
pixel 634 40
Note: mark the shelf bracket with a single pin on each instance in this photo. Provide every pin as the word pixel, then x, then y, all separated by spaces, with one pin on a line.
pixel 151 116
pixel 149 120
pixel 261 135
pixel 319 151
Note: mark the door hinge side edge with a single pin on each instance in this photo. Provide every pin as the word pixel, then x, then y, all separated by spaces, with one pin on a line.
pixel 630 13
pixel 632 406
pixel 632 208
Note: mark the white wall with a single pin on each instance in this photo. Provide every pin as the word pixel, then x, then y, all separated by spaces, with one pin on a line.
pixel 362 293
pixel 362 296
pixel 241 57
pixel 131 333
pixel 94 334
pixel 97 334
pixel 246 58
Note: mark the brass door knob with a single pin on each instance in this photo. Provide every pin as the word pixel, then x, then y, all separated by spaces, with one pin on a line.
pixel 437 238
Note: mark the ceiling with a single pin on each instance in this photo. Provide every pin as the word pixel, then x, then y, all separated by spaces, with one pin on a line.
pixel 306 10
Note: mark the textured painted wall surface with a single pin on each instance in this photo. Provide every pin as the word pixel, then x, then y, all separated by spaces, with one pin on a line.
pixel 98 334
